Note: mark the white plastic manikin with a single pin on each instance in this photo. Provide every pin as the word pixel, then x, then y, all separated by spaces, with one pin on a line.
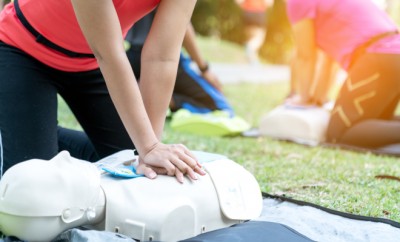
pixel 305 125
pixel 40 199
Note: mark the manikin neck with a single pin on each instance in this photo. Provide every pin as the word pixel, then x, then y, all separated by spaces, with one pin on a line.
pixel 100 209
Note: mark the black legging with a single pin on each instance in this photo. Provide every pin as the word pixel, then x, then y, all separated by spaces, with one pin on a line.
pixel 77 143
pixel 28 109
pixel 364 111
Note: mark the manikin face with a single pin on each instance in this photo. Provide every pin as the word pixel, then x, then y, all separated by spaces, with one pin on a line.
pixel 63 188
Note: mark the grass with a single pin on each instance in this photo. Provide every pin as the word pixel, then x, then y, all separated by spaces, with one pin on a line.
pixel 336 179
pixel 221 51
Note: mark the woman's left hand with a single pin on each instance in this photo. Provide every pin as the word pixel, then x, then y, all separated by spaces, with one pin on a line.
pixel 212 79
pixel 170 159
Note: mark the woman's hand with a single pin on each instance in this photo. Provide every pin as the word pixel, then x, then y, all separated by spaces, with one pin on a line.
pixel 169 159
pixel 296 100
pixel 212 79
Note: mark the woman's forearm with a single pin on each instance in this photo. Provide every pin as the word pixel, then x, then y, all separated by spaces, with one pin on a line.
pixel 189 43
pixel 303 66
pixel 324 79
pixel 302 75
pixel 127 99
pixel 160 57
pixel 157 94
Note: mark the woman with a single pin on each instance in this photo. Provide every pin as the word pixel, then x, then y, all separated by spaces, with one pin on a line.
pixel 75 48
pixel 254 18
pixel 365 42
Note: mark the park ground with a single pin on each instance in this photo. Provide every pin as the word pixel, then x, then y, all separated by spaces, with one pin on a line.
pixel 337 179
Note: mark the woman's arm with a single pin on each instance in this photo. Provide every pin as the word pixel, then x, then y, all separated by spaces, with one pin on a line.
pixel 159 63
pixel 324 78
pixel 160 57
pixel 142 118
pixel 313 71
pixel 304 61
pixel 189 43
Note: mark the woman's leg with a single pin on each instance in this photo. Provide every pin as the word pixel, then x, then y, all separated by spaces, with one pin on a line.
pixel 87 96
pixel 28 109
pixel 364 111
pixel 77 143
pixel 255 32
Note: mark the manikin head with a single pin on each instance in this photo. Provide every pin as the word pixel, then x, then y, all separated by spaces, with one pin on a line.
pixel 39 199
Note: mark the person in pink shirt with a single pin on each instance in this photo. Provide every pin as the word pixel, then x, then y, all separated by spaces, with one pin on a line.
pixel 365 42
pixel 75 49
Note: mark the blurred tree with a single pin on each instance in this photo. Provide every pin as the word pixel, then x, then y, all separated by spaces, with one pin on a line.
pixel 218 19
pixel 223 19
pixel 3 2
pixel 278 45
pixel 393 8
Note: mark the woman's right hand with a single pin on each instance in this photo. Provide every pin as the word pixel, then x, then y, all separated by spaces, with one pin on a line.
pixel 212 79
pixel 297 101
pixel 169 159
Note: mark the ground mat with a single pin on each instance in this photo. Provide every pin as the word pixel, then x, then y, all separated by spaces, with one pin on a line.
pixel 282 219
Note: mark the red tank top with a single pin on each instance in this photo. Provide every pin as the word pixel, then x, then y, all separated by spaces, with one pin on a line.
pixel 55 20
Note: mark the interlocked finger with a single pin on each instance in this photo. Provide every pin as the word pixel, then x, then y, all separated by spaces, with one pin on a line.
pixel 173 160
pixel 186 165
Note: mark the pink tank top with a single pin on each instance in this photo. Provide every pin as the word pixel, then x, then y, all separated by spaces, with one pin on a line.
pixel 55 20
pixel 343 25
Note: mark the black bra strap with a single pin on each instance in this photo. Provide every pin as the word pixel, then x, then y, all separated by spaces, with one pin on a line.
pixel 43 40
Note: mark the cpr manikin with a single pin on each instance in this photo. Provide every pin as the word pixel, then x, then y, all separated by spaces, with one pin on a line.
pixel 40 199
pixel 305 125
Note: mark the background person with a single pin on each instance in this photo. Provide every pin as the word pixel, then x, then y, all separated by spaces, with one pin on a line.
pixel 254 19
pixel 91 71
pixel 198 91
pixel 367 46
pixel 319 89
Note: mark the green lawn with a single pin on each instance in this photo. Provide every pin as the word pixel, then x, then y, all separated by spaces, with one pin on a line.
pixel 337 179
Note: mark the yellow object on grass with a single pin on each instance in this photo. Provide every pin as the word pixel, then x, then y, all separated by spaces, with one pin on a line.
pixel 216 123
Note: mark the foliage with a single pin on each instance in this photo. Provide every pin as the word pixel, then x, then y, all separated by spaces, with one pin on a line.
pixel 278 44
pixel 217 18
pixel 393 8
pixel 223 19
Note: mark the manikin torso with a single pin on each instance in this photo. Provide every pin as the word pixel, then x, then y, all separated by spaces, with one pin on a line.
pixel 161 209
